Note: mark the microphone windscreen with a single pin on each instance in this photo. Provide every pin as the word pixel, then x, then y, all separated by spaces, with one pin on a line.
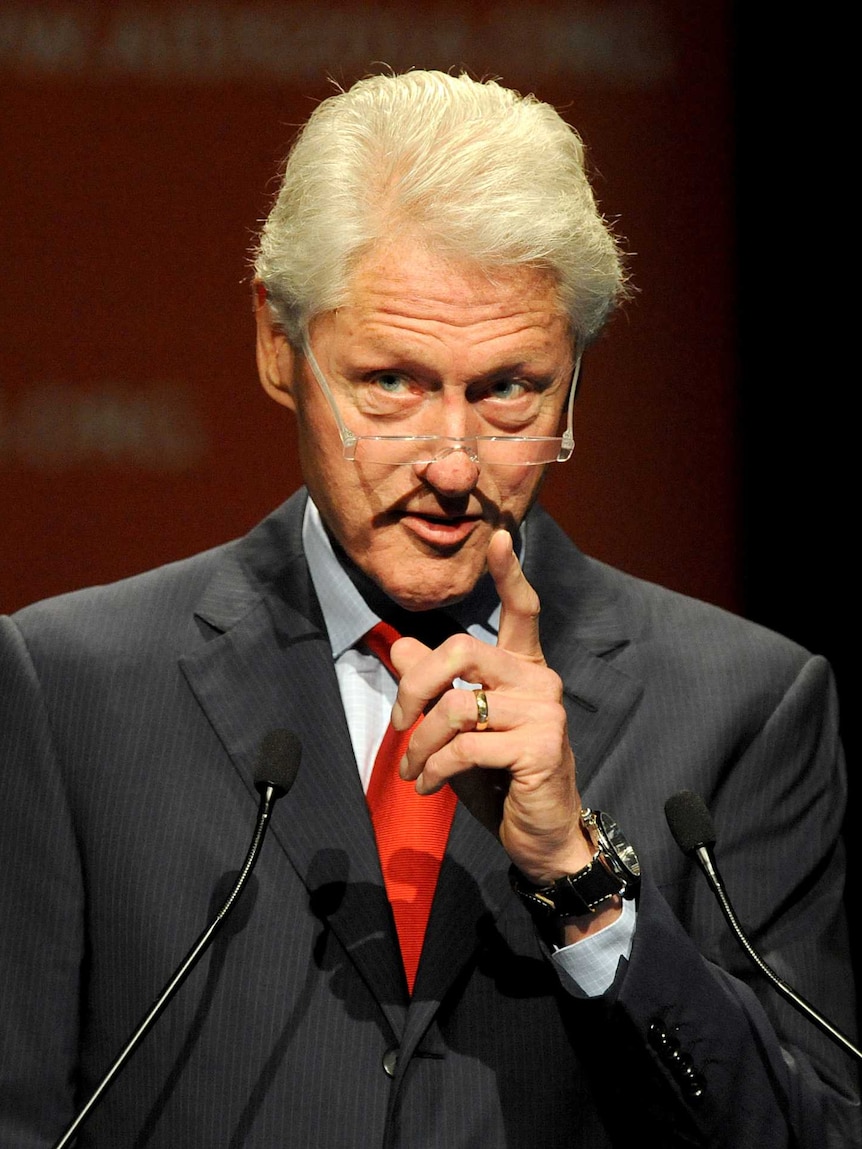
pixel 278 761
pixel 689 821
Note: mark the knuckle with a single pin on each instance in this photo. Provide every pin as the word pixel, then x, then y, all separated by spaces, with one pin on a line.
pixel 458 708
pixel 460 646
pixel 431 774
pixel 464 749
pixel 552 684
pixel 532 605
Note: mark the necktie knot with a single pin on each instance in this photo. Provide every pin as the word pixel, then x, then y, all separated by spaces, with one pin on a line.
pixel 379 641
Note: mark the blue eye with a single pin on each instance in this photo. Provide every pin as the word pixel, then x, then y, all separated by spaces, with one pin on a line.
pixel 391 383
pixel 506 389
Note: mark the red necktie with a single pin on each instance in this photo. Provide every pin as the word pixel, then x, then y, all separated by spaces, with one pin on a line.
pixel 411 829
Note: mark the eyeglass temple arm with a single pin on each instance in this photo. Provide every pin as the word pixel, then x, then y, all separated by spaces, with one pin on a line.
pixel 568 443
pixel 348 439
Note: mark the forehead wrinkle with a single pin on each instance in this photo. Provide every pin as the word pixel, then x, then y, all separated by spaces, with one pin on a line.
pixel 410 273
pixel 457 309
pixel 378 328
pixel 407 304
pixel 397 344
pixel 376 320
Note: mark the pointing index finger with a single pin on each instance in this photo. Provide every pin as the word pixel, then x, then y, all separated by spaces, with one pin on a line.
pixel 519 616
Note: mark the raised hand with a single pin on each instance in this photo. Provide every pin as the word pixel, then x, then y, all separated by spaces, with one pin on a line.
pixel 517 775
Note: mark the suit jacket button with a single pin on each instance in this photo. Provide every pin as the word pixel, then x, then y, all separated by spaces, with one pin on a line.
pixel 390 1061
pixel 657 1035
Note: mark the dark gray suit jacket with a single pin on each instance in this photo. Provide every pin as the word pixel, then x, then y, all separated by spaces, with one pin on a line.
pixel 130 718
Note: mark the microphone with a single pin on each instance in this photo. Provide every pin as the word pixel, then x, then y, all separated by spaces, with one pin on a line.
pixel 277 766
pixel 693 831
pixel 277 763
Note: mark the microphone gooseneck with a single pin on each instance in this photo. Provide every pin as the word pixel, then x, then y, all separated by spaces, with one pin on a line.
pixel 277 766
pixel 691 826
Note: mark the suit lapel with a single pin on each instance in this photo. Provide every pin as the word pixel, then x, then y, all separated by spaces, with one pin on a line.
pixel 268 665
pixel 582 629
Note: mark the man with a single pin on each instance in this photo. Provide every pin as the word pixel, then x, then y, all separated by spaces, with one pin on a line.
pixel 426 283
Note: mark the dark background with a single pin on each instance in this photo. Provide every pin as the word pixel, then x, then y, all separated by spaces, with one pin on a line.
pixel 797 432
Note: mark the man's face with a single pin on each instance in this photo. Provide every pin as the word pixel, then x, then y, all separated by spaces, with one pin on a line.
pixel 425 346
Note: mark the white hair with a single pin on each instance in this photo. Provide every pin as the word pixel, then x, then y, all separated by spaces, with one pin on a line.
pixel 478 172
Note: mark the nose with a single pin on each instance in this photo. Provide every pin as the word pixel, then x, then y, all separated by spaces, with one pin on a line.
pixel 454 472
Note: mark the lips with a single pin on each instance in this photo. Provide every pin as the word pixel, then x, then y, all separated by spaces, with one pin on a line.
pixel 441 530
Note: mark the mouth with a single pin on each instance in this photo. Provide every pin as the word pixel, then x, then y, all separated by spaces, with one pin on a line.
pixel 440 530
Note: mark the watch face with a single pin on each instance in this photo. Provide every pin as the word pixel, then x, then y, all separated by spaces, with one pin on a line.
pixel 622 850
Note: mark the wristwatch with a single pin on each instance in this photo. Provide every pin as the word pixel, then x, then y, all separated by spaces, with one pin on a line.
pixel 613 871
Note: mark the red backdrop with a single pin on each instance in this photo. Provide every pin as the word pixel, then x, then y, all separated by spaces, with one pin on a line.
pixel 139 144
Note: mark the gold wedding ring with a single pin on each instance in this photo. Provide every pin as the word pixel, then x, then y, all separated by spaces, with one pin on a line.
pixel 481 709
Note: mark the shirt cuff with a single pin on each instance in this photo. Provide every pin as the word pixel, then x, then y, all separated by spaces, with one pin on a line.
pixel 588 968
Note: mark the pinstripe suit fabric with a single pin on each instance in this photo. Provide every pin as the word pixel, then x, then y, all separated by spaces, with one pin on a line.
pixel 130 718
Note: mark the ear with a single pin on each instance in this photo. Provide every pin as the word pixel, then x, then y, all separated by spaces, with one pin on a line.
pixel 276 359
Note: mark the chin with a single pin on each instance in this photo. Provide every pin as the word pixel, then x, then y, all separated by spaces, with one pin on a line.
pixel 417 603
pixel 417 595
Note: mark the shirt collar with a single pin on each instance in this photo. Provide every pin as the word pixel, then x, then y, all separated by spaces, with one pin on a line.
pixel 346 613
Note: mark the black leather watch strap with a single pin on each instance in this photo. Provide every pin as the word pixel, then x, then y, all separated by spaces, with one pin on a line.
pixel 572 895
pixel 613 871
